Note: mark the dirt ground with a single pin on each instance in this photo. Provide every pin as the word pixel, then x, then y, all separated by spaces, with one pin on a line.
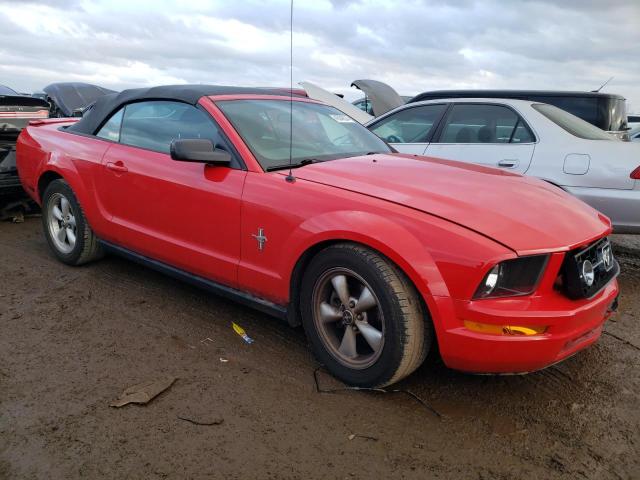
pixel 71 339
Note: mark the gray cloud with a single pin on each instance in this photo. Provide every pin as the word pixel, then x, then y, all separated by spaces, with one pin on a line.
pixel 414 46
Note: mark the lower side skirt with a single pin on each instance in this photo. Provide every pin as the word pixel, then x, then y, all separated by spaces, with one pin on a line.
pixel 244 298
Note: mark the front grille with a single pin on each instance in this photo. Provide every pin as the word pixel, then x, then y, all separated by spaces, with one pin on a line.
pixel 586 271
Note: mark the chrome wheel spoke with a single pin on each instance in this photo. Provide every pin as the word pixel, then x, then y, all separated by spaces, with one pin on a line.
pixel 366 301
pixel 341 287
pixel 64 206
pixel 348 344
pixel 61 223
pixel 57 213
pixel 71 237
pixel 329 313
pixel 348 318
pixel 61 235
pixel 372 335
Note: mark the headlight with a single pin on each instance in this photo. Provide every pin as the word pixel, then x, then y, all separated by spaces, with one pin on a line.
pixel 510 278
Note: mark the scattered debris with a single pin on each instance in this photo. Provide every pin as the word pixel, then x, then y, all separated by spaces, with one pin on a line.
pixel 240 331
pixel 224 360
pixel 366 437
pixel 376 390
pixel 15 211
pixel 144 392
pixel 215 421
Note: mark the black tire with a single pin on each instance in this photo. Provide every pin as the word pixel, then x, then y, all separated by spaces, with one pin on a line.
pixel 86 247
pixel 405 323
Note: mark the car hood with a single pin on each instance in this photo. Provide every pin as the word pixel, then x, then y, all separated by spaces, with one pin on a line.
pixel 525 214
pixel 383 97
pixel 320 94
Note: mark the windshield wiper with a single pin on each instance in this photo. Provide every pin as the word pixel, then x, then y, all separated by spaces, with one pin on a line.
pixel 302 163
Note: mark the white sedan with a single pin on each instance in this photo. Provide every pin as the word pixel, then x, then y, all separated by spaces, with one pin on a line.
pixel 529 138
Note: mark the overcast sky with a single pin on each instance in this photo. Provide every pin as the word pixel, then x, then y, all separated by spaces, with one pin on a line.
pixel 413 46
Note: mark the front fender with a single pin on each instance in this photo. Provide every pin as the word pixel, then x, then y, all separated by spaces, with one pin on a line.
pixel 443 260
pixel 400 244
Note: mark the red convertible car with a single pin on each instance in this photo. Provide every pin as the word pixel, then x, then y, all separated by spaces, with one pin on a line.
pixel 379 255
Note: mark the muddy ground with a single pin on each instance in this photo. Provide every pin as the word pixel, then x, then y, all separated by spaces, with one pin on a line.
pixel 71 339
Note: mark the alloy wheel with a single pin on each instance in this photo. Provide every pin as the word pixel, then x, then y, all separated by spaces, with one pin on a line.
pixel 348 317
pixel 62 223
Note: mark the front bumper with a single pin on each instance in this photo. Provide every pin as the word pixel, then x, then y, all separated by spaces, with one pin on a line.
pixel 572 326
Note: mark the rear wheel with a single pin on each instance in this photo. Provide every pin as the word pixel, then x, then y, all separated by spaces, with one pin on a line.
pixel 363 317
pixel 65 226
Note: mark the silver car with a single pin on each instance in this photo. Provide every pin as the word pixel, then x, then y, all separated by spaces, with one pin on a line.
pixel 525 137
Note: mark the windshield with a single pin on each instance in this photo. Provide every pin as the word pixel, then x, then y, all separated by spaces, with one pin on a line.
pixel 617 110
pixel 320 132
pixel 607 113
pixel 572 124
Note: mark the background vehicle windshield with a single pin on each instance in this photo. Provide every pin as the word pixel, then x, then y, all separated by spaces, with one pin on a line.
pixel 572 124
pixel 320 132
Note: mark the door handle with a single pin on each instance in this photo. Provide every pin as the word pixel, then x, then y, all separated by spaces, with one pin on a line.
pixel 117 167
pixel 508 163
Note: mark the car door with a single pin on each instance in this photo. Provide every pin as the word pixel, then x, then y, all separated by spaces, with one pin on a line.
pixel 410 129
pixel 489 134
pixel 180 213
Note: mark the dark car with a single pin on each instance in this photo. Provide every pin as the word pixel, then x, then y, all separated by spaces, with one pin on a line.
pixel 606 111
pixel 15 112
pixel 70 99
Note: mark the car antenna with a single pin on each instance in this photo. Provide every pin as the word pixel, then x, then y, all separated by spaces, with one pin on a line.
pixel 290 178
pixel 602 86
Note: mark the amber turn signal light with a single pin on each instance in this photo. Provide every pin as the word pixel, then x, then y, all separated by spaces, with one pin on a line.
pixel 509 330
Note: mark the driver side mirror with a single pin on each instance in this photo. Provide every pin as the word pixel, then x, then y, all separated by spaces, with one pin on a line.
pixel 198 150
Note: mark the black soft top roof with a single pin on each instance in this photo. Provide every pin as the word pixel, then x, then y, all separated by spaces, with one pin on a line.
pixel 515 94
pixel 106 105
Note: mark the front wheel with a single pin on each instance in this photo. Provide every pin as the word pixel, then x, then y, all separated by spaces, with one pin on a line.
pixel 363 317
pixel 65 226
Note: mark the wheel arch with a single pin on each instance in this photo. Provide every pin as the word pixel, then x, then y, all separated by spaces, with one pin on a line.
pixel 64 169
pixel 45 179
pixel 414 277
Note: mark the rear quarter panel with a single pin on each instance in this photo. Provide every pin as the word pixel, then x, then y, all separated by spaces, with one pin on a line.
pixel 43 148
pixel 608 164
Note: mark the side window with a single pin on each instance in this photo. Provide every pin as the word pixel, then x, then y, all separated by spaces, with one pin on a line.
pixel 155 124
pixel 411 125
pixel 522 134
pixel 478 123
pixel 111 129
